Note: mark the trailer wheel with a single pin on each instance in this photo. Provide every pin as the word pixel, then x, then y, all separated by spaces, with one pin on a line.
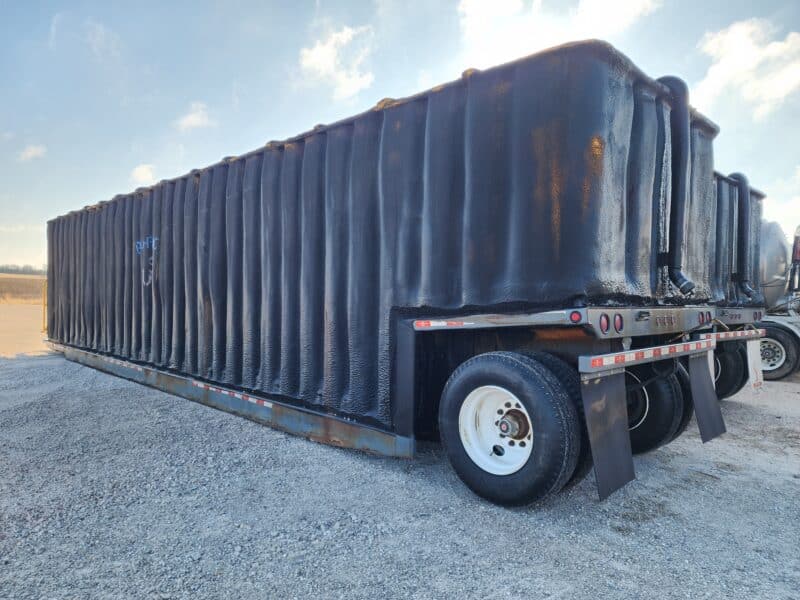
pixel 655 410
pixel 571 381
pixel 779 353
pixel 685 384
pixel 732 368
pixel 741 350
pixel 509 428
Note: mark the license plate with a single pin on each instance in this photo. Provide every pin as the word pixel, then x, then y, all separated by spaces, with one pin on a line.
pixel 756 376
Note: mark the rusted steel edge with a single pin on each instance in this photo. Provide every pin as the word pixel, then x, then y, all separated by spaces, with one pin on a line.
pixel 326 429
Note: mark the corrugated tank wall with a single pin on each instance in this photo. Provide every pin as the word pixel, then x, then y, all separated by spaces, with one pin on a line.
pixel 725 263
pixel 540 183
pixel 701 244
pixel 756 215
pixel 725 255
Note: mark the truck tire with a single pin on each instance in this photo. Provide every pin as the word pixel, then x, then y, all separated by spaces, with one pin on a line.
pixel 732 368
pixel 741 350
pixel 571 381
pixel 509 428
pixel 780 354
pixel 654 411
pixel 684 382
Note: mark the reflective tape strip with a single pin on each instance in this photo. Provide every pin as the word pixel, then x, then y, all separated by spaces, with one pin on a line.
pixel 440 324
pixel 604 361
pixel 235 394
pixel 738 334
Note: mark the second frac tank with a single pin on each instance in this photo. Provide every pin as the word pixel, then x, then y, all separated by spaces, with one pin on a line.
pixel 775 262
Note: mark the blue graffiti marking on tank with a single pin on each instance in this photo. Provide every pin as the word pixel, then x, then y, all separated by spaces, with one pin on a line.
pixel 148 243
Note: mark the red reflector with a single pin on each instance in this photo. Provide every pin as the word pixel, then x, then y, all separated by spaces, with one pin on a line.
pixel 619 359
pixel 575 316
pixel 639 355
pixel 701 317
pixel 687 347
pixel 597 362
pixel 604 323
pixel 618 323
pixel 656 351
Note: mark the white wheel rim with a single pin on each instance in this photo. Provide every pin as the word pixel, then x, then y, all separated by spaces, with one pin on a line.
pixel 773 354
pixel 483 413
pixel 646 402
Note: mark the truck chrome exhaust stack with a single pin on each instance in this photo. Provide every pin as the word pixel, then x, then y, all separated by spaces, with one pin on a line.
pixel 679 128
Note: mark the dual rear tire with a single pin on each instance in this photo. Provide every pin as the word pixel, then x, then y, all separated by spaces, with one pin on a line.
pixel 657 409
pixel 730 374
pixel 513 429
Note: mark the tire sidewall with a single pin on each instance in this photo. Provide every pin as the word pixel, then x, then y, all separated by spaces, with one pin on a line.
pixel 790 346
pixel 664 413
pixel 732 369
pixel 572 383
pixel 685 384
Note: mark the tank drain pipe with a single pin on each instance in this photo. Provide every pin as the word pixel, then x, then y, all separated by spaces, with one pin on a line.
pixel 679 129
pixel 744 268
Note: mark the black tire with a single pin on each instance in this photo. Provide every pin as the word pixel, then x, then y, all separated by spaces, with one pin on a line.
pixel 554 421
pixel 732 368
pixel 685 384
pixel 789 343
pixel 655 411
pixel 571 381
pixel 741 349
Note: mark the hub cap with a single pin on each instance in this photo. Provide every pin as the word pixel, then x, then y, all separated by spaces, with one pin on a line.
pixel 773 354
pixel 495 430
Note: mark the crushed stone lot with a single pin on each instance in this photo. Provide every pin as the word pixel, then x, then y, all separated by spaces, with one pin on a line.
pixel 109 489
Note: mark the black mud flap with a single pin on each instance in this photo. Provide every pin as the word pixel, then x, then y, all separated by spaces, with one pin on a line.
pixel 606 413
pixel 706 404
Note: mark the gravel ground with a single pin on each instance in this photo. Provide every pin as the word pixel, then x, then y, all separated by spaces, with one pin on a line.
pixel 112 490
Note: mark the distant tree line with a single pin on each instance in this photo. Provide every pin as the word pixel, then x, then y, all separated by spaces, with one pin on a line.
pixel 23 270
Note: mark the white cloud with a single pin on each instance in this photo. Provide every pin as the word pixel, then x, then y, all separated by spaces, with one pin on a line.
pixel 143 174
pixel 7 136
pixel 103 41
pixel 196 118
pixel 32 151
pixel 502 30
pixel 338 61
pixel 783 202
pixel 55 22
pixel 747 59
pixel 236 89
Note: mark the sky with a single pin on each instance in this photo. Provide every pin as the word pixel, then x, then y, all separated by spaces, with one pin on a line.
pixel 99 98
